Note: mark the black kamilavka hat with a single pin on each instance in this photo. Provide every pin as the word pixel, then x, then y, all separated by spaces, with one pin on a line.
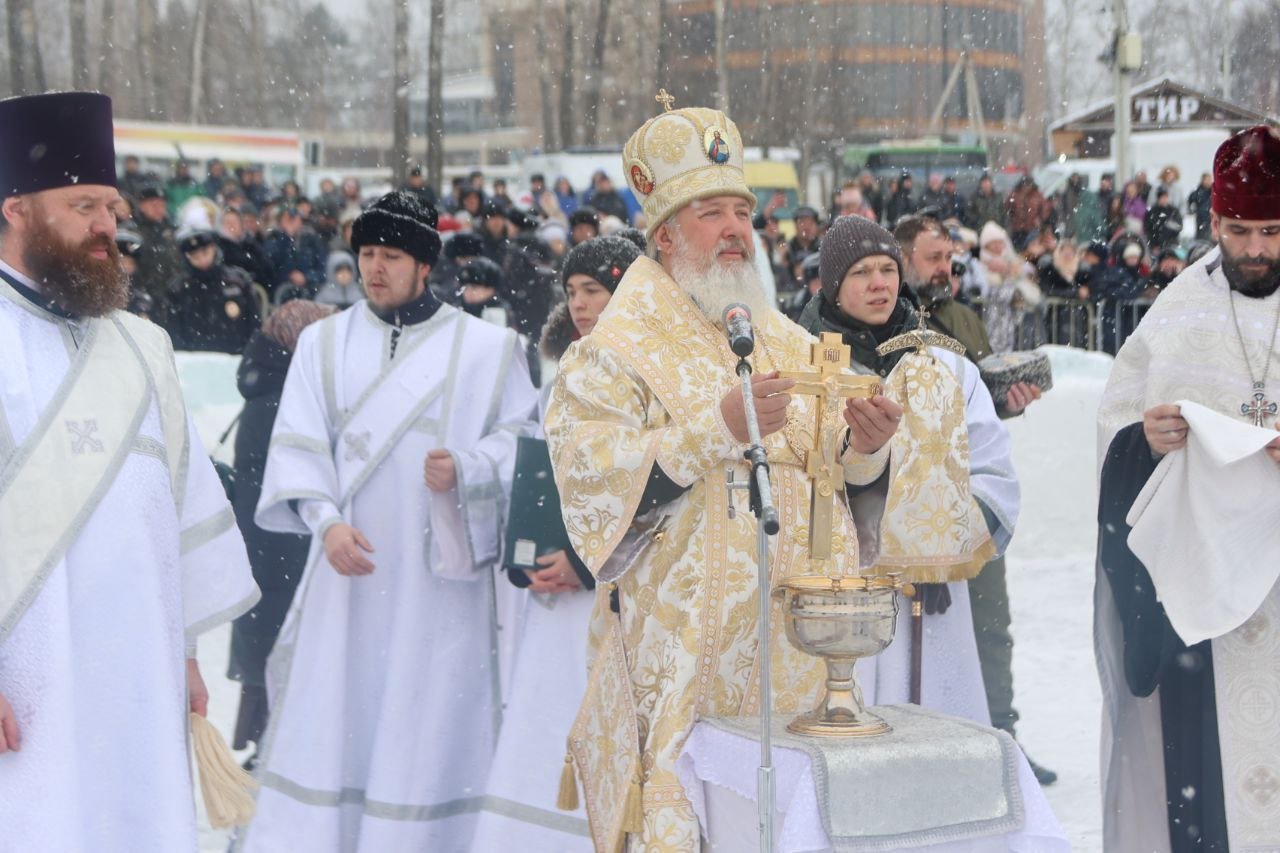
pixel 59 139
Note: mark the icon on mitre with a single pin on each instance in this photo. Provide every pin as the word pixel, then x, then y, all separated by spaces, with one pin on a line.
pixel 716 146
pixel 641 177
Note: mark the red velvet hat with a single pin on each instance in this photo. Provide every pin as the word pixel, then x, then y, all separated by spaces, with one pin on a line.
pixel 1246 175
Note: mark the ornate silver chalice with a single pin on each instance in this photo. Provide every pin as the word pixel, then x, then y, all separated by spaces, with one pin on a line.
pixel 840 619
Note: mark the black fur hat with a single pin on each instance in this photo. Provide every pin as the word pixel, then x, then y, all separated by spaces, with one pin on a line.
pixel 603 258
pixel 402 222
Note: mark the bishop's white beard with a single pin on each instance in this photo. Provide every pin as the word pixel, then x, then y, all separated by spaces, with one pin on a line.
pixel 713 285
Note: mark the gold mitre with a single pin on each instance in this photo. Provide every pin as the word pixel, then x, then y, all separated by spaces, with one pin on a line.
pixel 680 156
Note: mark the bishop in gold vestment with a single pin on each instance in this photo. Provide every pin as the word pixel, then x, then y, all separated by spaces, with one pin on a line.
pixel 642 453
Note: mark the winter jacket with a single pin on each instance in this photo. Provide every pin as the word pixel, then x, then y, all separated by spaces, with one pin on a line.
pixel 1162 225
pixel 212 310
pixel 178 191
pixel 248 256
pixel 1080 213
pixel 277 558
pixel 900 204
pixel 305 253
pixel 1026 209
pixel 333 293
pixel 982 209
pixel 1199 203
pixel 158 264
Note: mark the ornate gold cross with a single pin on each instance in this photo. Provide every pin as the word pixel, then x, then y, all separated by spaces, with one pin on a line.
pixel 829 382
pixel 666 100
pixel 920 339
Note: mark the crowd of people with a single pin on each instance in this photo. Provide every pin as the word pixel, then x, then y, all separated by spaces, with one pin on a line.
pixel 210 258
pixel 1077 268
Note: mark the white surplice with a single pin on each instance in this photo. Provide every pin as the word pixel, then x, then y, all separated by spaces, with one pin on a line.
pixel 951 678
pixel 383 688
pixel 92 654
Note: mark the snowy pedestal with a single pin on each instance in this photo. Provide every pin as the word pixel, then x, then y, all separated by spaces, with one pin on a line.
pixel 933 789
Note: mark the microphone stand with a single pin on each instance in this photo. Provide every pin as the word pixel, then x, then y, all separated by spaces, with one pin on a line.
pixel 761 502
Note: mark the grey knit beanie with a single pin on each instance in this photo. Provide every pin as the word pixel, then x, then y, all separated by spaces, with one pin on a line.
pixel 849 240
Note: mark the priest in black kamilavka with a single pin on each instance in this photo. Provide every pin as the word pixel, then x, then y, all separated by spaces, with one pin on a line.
pixel 1187 618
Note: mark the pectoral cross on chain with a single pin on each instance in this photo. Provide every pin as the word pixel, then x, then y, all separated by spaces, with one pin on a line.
pixel 1260 405
pixel 829 382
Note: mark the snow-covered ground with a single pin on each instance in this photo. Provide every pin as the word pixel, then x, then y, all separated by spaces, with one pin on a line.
pixel 1050 580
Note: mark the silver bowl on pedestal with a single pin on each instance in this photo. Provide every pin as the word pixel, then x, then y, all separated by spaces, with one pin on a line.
pixel 840 619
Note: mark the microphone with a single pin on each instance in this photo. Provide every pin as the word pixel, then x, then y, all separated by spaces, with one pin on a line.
pixel 737 322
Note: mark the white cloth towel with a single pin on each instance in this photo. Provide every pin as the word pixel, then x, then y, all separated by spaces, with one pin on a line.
pixel 1203 530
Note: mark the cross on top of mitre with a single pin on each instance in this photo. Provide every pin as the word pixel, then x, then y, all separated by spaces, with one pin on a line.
pixel 667 100
pixel 920 339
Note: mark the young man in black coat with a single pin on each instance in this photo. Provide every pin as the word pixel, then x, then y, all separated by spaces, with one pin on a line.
pixel 277 558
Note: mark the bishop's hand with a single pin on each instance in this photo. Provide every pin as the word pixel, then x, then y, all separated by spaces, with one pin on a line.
pixel 1165 429
pixel 871 422
pixel 1273 449
pixel 9 739
pixel 342 546
pixel 769 394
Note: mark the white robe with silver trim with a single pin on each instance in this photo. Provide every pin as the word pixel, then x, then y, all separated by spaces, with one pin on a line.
pixel 383 688
pixel 94 667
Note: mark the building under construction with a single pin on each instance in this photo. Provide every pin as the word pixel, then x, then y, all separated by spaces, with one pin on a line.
pixel 867 70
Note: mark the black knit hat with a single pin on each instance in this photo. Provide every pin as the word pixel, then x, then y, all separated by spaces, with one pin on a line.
pixel 635 235
pixel 584 216
pixel 481 271
pixel 402 222
pixel 849 240
pixel 604 259
pixel 463 245
pixel 493 208
pixel 59 139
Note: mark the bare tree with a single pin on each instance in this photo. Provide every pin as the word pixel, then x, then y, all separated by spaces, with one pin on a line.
pixel 767 76
pixel 17 53
pixel 1255 37
pixel 199 46
pixel 107 68
pixel 79 47
pixel 29 43
pixel 661 57
pixel 595 74
pixel 258 57
pixel 144 50
pixel 400 80
pixel 567 77
pixel 722 69
pixel 544 83
pixel 811 102
pixel 435 97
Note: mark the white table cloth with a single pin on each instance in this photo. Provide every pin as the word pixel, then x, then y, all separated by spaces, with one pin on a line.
pixel 718 771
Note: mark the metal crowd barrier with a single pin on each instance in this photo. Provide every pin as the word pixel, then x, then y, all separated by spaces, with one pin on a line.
pixel 1133 311
pixel 1080 322
pixel 1071 322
